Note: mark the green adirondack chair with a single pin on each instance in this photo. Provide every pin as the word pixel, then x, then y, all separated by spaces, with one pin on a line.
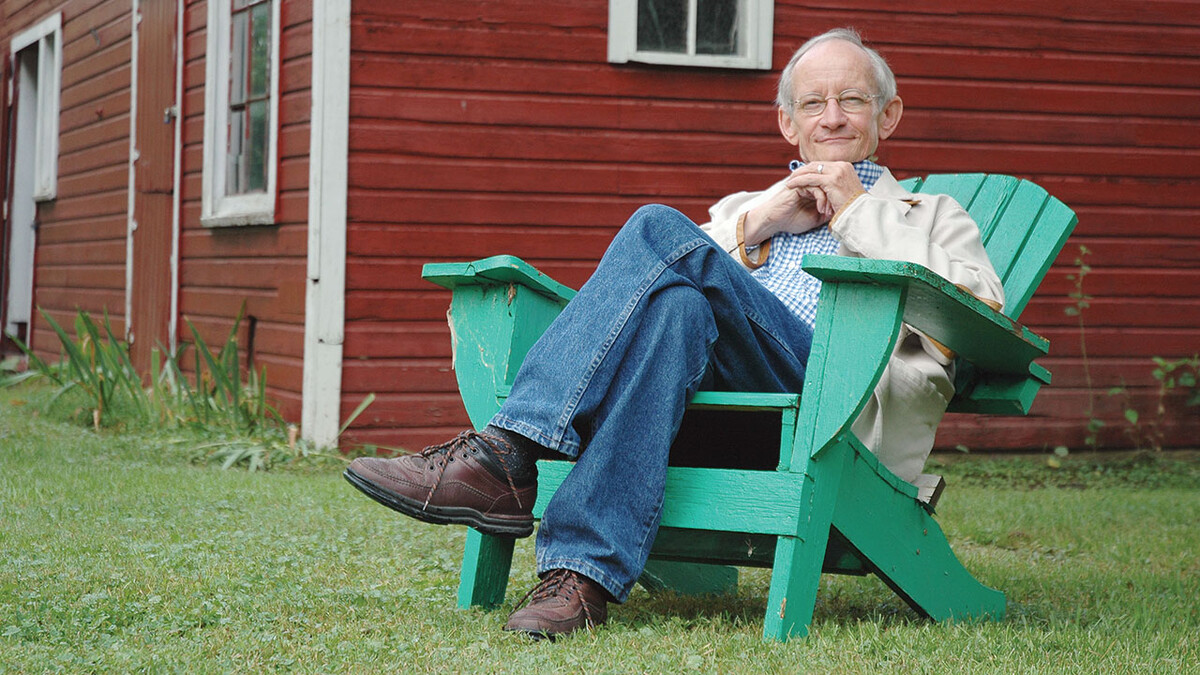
pixel 829 505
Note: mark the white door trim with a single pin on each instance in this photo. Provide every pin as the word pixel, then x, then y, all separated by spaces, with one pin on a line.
pixel 324 315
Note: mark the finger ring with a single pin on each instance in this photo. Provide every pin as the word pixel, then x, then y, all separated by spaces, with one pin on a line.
pixel 820 168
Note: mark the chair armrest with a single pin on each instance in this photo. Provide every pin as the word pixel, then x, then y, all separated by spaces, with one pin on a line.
pixel 953 317
pixel 499 307
pixel 505 269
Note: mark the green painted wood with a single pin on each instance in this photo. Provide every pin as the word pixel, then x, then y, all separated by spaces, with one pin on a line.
pixel 870 462
pixel 991 201
pixel 1009 214
pixel 501 269
pixel 961 186
pixel 1043 244
pixel 796 569
pixel 766 502
pixel 989 339
pixel 841 558
pixel 912 184
pixel 1008 236
pixel 855 331
pixel 688 578
pixel 484 576
pixel 997 395
pixel 743 400
pixel 907 550
pixel 493 325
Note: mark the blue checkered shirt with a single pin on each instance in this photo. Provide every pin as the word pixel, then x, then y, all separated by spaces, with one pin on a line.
pixel 783 276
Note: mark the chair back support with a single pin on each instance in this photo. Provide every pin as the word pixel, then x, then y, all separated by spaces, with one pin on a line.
pixel 1023 227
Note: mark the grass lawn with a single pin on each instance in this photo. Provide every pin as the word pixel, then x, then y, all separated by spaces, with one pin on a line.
pixel 118 555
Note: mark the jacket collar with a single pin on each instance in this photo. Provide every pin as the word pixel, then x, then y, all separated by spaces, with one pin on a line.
pixel 887 187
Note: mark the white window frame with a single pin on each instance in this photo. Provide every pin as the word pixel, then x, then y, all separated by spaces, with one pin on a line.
pixel 758 17
pixel 217 208
pixel 47 35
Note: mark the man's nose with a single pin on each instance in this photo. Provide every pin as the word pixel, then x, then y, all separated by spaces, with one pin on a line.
pixel 833 115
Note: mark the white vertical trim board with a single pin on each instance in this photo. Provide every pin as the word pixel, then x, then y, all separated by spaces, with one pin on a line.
pixel 131 223
pixel 324 315
pixel 177 179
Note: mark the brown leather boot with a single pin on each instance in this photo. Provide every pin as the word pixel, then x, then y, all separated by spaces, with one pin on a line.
pixel 464 481
pixel 564 602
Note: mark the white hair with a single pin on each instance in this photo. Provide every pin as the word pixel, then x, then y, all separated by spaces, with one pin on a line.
pixel 885 80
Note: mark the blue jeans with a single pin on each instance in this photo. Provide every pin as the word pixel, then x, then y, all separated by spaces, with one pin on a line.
pixel 666 313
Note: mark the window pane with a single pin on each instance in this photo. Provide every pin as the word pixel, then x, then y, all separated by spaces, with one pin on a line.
pixel 662 25
pixel 237 59
pixel 256 150
pixel 260 49
pixel 717 27
pixel 234 161
pixel 249 97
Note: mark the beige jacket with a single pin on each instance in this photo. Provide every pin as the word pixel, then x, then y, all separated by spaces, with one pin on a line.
pixel 899 422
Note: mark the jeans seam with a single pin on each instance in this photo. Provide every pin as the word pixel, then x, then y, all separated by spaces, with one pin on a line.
pixel 783 344
pixel 560 428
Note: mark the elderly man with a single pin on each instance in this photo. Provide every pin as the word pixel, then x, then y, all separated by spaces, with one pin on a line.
pixel 674 307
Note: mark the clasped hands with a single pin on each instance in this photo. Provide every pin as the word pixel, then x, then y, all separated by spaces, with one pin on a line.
pixel 812 195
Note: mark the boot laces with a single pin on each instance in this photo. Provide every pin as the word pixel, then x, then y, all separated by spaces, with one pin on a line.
pixel 462 444
pixel 559 582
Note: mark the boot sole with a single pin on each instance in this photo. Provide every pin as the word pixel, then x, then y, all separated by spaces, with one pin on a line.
pixel 440 515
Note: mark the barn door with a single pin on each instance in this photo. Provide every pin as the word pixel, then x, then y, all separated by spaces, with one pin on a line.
pixel 31 170
pixel 152 234
pixel 21 235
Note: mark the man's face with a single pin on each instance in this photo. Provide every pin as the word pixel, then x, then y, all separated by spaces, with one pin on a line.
pixel 836 135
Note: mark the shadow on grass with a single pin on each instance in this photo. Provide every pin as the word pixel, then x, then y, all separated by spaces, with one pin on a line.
pixel 841 601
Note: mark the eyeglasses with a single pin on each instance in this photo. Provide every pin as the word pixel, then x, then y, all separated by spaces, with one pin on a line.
pixel 850 101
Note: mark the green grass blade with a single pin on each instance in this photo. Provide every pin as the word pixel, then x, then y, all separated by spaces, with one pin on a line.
pixel 368 400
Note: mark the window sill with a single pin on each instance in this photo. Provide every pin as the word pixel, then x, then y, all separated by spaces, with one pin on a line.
pixel 699 61
pixel 238 219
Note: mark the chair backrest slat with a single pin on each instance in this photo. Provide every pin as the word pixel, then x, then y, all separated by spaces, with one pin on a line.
pixel 990 203
pixel 1042 245
pixel 1008 235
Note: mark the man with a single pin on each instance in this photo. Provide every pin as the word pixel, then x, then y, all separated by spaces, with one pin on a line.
pixel 673 308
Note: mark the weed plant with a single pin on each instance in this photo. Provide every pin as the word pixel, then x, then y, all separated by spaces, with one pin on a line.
pixel 226 415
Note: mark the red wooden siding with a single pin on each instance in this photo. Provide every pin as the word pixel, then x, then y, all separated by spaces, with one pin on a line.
pixel 80 259
pixel 480 128
pixel 81 254
pixel 264 267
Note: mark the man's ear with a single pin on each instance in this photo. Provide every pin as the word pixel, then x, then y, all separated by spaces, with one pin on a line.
pixel 787 128
pixel 890 118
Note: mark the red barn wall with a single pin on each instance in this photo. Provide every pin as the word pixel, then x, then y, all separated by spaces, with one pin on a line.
pixel 81 246
pixel 80 258
pixel 480 128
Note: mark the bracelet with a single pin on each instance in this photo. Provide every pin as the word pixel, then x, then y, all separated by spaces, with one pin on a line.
pixel 764 249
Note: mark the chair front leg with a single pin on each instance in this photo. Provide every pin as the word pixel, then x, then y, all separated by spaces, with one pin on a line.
pixel 486 564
